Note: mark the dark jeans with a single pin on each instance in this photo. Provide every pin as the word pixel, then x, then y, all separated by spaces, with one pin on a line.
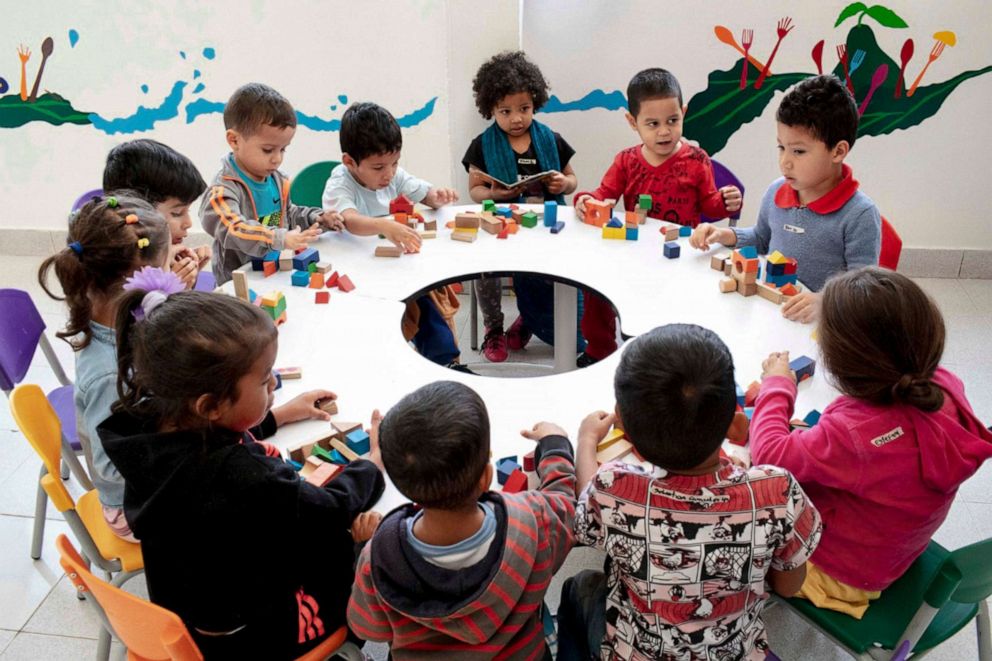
pixel 582 616
pixel 434 340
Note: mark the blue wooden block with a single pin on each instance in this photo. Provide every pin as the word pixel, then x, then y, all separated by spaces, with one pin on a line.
pixel 338 458
pixel 506 212
pixel 615 222
pixel 776 269
pixel 632 234
pixel 749 412
pixel 505 468
pixel 559 226
pixel 512 458
pixel 358 441
pixel 748 252
pixel 685 230
pixel 300 278
pixel 302 260
pixel 257 263
pixel 812 418
pixel 550 213
pixel 252 295
pixel 740 395
pixel 672 250
pixel 297 466
pixel 272 256
pixel 278 380
pixel 804 367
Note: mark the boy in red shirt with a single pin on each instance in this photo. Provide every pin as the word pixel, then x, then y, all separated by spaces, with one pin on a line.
pixel 677 176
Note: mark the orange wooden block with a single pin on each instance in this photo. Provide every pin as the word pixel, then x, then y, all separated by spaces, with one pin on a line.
pixel 512 228
pixel 789 290
pixel 400 217
pixel 317 280
pixel 597 212
pixel 269 268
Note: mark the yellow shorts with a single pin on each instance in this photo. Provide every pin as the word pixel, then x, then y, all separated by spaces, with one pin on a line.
pixel 827 592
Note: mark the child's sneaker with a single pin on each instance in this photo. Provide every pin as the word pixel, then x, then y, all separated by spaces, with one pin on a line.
pixel 585 360
pixel 494 345
pixel 518 336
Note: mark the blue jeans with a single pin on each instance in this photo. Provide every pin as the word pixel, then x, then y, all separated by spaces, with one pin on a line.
pixel 434 340
pixel 536 302
pixel 582 616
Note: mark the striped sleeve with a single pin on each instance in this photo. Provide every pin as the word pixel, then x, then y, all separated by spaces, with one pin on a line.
pixel 222 218
pixel 366 614
pixel 556 469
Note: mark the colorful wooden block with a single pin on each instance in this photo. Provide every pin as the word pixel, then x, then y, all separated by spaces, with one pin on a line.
pixel 550 213
pixel 358 441
pixel 488 205
pixel 322 297
pixel 503 233
pixel 614 233
pixel 303 259
pixel 741 396
pixel 685 230
pixel 777 258
pixel 672 250
pixel 529 219
pixel 300 279
pixel 516 482
pixel 812 418
pixel 615 435
pixel 388 251
pixel 505 468
pixel 804 367
pixel 789 290
pixel 513 228
pixel 644 202
pixel 316 280
pixel 345 284
pixel 332 280
pixel 559 226
pixel 465 236
pixel 400 204
pixel 269 268
pixel 615 222
pixel 529 462
pixel 631 233
pixel 597 212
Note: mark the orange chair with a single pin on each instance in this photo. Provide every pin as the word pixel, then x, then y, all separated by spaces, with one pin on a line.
pixel 888 258
pixel 150 632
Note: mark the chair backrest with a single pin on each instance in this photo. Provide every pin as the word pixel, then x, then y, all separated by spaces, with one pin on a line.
pixel 891 246
pixel 970 571
pixel 147 631
pixel 21 327
pixel 724 177
pixel 40 424
pixel 205 281
pixel 86 197
pixel 307 187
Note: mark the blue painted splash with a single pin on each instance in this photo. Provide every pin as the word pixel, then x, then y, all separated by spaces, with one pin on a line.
pixel 198 88
pixel 143 119
pixel 334 107
pixel 209 53
pixel 342 99
pixel 144 89
pixel 202 107
pixel 614 100
pixel 196 74
pixel 315 123
pixel 3 85
pixel 182 54
pixel 73 38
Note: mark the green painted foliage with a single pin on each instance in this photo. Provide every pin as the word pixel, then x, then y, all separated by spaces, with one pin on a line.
pixel 50 108
pixel 886 17
pixel 852 9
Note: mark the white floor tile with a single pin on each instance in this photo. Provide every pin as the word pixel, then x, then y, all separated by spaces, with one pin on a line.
pixel 980 292
pixel 17 492
pixel 33 646
pixel 25 583
pixel 968 341
pixel 5 638
pixel 62 614
pixel 951 296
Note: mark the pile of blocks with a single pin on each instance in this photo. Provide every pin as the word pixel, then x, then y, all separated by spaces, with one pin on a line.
pixel 402 211
pixel 613 447
pixel 624 230
pixel 743 269
pixel 510 475
pixel 320 461
pixel 274 304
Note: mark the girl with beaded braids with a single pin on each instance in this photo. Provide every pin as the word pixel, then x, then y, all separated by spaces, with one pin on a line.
pixel 108 240
pixel 887 457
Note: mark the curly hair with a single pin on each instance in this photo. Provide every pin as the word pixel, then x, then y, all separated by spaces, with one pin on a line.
pixel 822 105
pixel 509 72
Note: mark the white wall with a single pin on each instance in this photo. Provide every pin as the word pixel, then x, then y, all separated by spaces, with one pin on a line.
pixel 929 180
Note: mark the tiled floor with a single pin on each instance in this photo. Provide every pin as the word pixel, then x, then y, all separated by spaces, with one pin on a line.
pixel 40 618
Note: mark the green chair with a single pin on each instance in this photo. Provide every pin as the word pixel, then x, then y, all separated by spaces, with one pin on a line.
pixel 937 596
pixel 307 188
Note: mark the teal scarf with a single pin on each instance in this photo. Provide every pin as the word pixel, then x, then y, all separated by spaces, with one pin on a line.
pixel 501 160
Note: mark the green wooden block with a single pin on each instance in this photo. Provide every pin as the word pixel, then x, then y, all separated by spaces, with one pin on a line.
pixel 312 267
pixel 529 219
pixel 321 453
pixel 644 201
pixel 488 205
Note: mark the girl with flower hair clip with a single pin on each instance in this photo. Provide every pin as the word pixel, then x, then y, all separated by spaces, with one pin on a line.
pixel 257 562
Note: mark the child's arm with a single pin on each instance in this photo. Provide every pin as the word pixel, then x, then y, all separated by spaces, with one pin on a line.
pixel 184 263
pixel 401 235
pixel 303 407
pixel 562 183
pixel 715 203
pixel 556 470
pixel 863 239
pixel 610 188
pixel 788 567
pixel 222 218
pixel 593 429
pixel 366 614
pixel 438 197
pixel 481 188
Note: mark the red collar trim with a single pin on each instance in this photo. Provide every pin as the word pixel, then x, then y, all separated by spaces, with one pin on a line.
pixel 786 196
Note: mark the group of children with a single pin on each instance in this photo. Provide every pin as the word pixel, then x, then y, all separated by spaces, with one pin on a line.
pixel 259 563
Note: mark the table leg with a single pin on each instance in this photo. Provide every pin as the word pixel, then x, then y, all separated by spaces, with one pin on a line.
pixel 473 317
pixel 566 308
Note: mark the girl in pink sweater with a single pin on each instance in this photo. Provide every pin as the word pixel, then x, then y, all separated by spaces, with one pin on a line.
pixel 887 457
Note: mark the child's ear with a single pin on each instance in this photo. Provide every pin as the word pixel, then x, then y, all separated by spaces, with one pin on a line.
pixel 840 151
pixel 632 121
pixel 685 108
pixel 616 411
pixel 487 478
pixel 738 429
pixel 232 138
pixel 206 407
pixel 348 161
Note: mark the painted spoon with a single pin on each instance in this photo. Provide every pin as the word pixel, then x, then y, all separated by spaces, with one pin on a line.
pixel 906 55
pixel 47 46
pixel 723 34
pixel 877 78
pixel 818 56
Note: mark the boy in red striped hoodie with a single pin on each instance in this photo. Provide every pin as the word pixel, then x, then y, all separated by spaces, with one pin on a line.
pixel 464 571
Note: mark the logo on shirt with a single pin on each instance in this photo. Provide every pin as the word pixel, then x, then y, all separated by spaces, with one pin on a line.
pixel 887 438
pixel 272 220
pixel 793 229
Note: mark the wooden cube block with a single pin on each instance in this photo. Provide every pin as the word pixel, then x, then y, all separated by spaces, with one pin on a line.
pixel 388 251
pixel 747 288
pixel 467 237
pixel 468 219
pixel 717 261
pixel 289 373
pixel 728 285
pixel 769 293
pixel 322 297
pixel 430 225
pixel 516 483
pixel 269 268
pixel 428 234
pixel 492 226
pixel 328 405
pixel 324 267
pixel 316 280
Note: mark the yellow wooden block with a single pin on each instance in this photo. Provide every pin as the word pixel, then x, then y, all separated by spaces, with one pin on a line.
pixel 615 233
pixel 777 258
pixel 615 451
pixel 611 438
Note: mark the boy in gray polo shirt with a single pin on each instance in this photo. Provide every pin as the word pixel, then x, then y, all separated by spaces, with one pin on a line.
pixel 814 212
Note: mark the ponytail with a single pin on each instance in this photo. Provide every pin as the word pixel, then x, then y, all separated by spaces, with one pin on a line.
pixel 128 391
pixel 922 393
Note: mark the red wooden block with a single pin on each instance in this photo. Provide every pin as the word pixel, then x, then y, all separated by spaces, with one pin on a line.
pixel 322 297
pixel 502 233
pixel 345 284
pixel 752 393
pixel 516 483
pixel 324 474
pixel 529 462
pixel 269 268
pixel 332 280
pixel 791 266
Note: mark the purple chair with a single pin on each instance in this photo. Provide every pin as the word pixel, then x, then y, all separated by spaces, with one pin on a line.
pixel 21 331
pixel 86 197
pixel 724 177
pixel 205 281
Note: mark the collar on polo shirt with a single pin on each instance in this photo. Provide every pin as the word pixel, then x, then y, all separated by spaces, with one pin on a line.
pixel 786 196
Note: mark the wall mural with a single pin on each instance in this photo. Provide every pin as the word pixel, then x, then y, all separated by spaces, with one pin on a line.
pixel 21 107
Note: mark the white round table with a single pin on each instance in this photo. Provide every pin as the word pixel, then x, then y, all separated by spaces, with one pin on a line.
pixel 354 346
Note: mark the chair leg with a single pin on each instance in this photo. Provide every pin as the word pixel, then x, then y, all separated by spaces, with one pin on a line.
pixel 40 509
pixel 984 635
pixel 64 470
pixel 71 459
pixel 473 319
pixel 103 645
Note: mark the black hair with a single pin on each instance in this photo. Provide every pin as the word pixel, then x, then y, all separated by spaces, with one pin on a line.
pixel 193 343
pixel 368 129
pixel 154 171
pixel 675 394
pixel 652 84
pixel 102 249
pixel 435 444
pixel 255 105
pixel 823 105
pixel 509 72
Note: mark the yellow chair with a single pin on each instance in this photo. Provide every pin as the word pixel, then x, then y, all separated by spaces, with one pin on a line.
pixel 150 632
pixel 39 423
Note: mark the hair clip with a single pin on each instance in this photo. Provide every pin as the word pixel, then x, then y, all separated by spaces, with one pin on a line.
pixel 142 243
pixel 112 202
pixel 130 219
pixel 76 247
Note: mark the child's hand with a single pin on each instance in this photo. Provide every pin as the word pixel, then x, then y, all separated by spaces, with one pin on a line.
pixel 556 183
pixel 203 255
pixel 707 235
pixel 542 429
pixel 438 197
pixel 303 407
pixel 732 198
pixel 804 307
pixel 297 238
pixel 580 207
pixel 777 364
pixel 502 193
pixel 184 264
pixel 594 428
pixel 332 220
pixel 364 526
pixel 401 235
pixel 375 454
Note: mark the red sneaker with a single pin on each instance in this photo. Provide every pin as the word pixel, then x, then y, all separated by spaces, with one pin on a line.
pixel 494 346
pixel 518 336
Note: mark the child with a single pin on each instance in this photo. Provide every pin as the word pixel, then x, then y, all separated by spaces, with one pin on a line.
pixel 171 182
pixel 464 571
pixel 361 188
pixel 108 240
pixel 256 561
pixel 510 88
pixel 247 208
pixel 886 458
pixel 815 212
pixel 690 538
pixel 678 177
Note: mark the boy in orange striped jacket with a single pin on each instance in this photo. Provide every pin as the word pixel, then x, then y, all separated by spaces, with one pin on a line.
pixel 463 573
pixel 246 208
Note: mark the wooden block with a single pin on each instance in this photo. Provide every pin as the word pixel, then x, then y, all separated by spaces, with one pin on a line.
pixel 529 462
pixel 313 460
pixel 316 280
pixel 288 373
pixel 559 226
pixel 492 226
pixel 769 293
pixel 468 219
pixel 240 279
pixel 269 268
pixel 428 234
pixel 728 285
pixel 671 233
pixel 789 290
pixel 286 260
pixel 328 405
pixel 345 284
pixel 751 395
pixel 300 453
pixel 322 475
pixel 747 288
pixel 516 483
pixel 400 218
pixel 388 251
pixel 512 228
pixel 503 233
pixel 728 268
pixel 615 451
pixel 804 367
pixel 332 280
pixel 342 429
pixel 341 447
pixel 614 436
pixel 430 225
pixel 467 237
pixel 322 297
pixel 718 260
pixel 324 267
